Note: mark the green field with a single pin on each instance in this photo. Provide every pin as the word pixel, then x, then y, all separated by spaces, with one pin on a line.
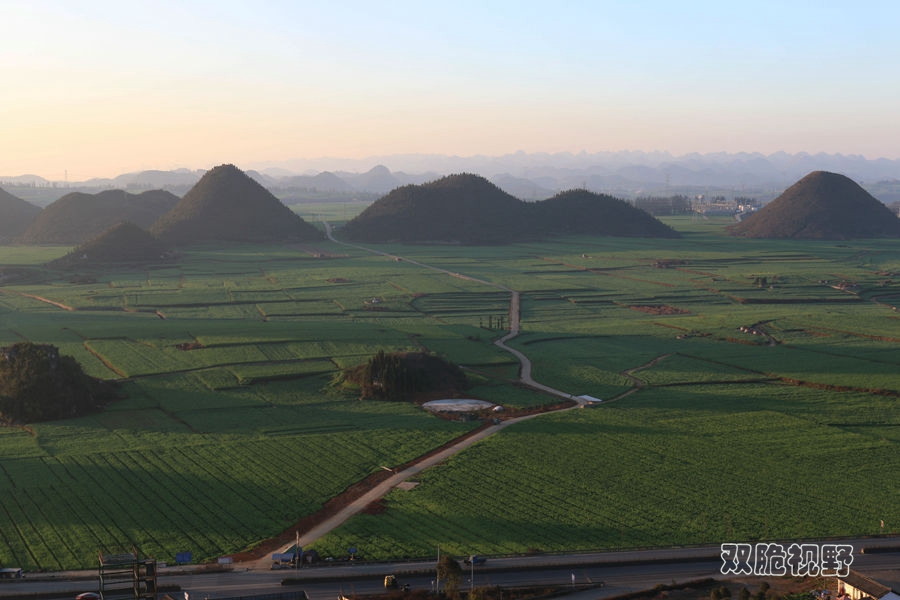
pixel 230 430
pixel 692 465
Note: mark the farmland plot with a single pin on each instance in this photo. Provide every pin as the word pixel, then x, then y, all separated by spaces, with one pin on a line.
pixel 662 469
pixel 252 469
pixel 207 415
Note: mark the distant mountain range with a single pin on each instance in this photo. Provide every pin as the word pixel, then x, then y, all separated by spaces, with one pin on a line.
pixel 534 176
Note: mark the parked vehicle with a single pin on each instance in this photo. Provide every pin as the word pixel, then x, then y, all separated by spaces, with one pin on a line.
pixel 392 583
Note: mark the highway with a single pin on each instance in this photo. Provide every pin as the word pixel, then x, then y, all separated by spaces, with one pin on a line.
pixel 327 582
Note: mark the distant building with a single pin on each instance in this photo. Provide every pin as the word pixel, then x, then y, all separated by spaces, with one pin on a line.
pixel 859 587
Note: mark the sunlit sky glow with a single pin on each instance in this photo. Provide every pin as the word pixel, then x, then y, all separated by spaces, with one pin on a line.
pixel 95 88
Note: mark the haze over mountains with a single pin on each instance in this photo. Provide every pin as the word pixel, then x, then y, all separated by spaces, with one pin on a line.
pixel 228 205
pixel 539 175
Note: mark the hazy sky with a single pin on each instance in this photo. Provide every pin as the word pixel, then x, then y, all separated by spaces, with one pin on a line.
pixel 98 88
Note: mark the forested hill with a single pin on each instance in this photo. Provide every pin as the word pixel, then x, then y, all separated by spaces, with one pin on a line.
pixel 821 205
pixel 123 244
pixel 15 215
pixel 587 213
pixel 78 217
pixel 468 209
pixel 227 205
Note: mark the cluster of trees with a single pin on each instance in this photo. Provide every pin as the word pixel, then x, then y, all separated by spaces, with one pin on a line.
pixel 37 384
pixel 401 376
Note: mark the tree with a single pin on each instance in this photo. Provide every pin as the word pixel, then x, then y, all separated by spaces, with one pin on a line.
pixel 37 384
pixel 449 571
pixel 400 376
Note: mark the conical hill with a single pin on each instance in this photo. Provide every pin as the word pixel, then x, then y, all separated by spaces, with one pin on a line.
pixel 227 205
pixel 15 215
pixel 821 205
pixel 122 244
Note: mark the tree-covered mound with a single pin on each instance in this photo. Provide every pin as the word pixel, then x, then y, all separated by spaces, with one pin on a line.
pixel 227 205
pixel 78 217
pixel 468 209
pixel 37 384
pixel 822 205
pixel 15 215
pixel 407 376
pixel 122 244
pixel 587 213
pixel 465 209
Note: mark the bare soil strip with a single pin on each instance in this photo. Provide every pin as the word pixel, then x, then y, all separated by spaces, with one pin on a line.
pixel 38 298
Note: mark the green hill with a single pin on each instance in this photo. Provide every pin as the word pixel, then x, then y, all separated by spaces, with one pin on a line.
pixel 587 213
pixel 406 376
pixel 822 205
pixel 468 209
pixel 15 215
pixel 465 209
pixel 78 217
pixel 122 244
pixel 227 205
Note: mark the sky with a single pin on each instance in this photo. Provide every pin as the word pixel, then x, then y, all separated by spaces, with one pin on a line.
pixel 97 88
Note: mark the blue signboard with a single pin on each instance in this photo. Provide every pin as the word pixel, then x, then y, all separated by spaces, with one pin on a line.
pixel 183 558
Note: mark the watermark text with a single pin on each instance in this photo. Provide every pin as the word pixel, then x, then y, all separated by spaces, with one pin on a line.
pixel 797 560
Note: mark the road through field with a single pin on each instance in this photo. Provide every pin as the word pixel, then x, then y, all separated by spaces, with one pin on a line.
pixel 514 315
pixel 381 489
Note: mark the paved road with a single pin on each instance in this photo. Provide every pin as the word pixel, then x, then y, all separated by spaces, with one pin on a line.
pixel 620 572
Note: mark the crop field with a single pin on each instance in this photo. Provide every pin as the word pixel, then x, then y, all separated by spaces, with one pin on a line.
pixel 671 466
pixel 230 429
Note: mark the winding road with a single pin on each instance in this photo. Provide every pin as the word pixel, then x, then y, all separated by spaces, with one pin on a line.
pixel 380 490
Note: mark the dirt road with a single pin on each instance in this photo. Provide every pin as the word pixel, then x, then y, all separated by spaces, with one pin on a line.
pixel 380 490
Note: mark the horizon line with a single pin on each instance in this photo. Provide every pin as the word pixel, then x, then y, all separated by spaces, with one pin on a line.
pixel 258 165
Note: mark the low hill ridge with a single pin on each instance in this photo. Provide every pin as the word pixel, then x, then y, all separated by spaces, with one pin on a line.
pixel 78 217
pixel 587 213
pixel 122 244
pixel 15 215
pixel 821 205
pixel 227 205
pixel 462 208
pixel 469 209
